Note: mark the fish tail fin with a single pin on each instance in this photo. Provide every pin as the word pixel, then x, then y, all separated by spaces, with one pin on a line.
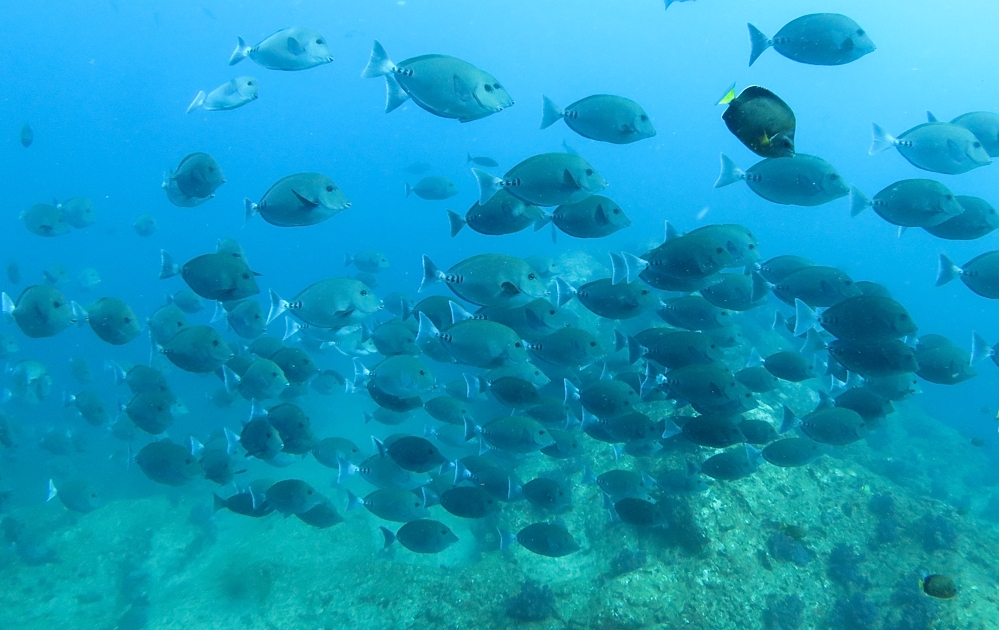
pixel 389 537
pixel 668 2
pixel 394 94
pixel 291 328
pixel 635 266
pixel 409 190
pixel 930 117
pixel 554 233
pixel 730 173
pixel 250 210
pixel 788 420
pixel 759 42
pixel 468 158
pixel 473 385
pixel 218 502
pixel 881 140
pixel 241 52
pixel 564 291
pixel 814 344
pixel 353 502
pixel 805 318
pixel 8 305
pixel 168 268
pixel 79 315
pixel 278 306
pixel 489 184
pixel 671 231
pixel 858 201
pixel 431 274
pixel 571 391
pixel 754 455
pixel 198 102
pixel 361 372
pixel 457 222
pixel 231 379
pixel 117 370
pixel 459 313
pixel 53 491
pixel 347 259
pixel 550 112
pixel 979 348
pixel 619 269
pixel 470 429
pixel 946 271
pixel 506 539
pixel 670 429
pixel 729 95
pixel 426 332
pixel 759 287
pixel 379 64
pixel 755 360
pixel 542 221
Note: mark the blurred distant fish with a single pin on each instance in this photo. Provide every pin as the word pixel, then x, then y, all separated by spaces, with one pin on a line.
pixel 822 39
pixel 57 275
pixel 370 261
pixel 235 93
pixel 45 220
pixel 113 321
pixel 288 49
pixel 81 370
pixel 187 301
pixel 27 135
pixel 88 279
pixel 78 212
pixel 488 162
pixel 418 168
pixel 444 86
pixel 433 188
pixel 13 272
pixel 145 225
pixel 7 346
pixel 76 494
pixel 31 381
pixel 208 12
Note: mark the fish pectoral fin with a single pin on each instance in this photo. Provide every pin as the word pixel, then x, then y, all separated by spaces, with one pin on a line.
pixel 848 44
pixel 569 180
pixel 462 90
pixel 294 47
pixel 231 88
pixel 305 200
pixel 601 215
pixel 955 151
pixel 510 288
pixel 628 128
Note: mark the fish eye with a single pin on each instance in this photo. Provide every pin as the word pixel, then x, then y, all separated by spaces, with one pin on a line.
pixel 861 32
pixel 948 197
pixel 593 344
pixel 422 373
pixel 645 291
pixel 329 188
pixel 245 276
pixel 589 171
pixel 128 320
pixel 211 169
pixel 319 41
pixel 517 345
pixel 751 246
pixel 215 342
pixel 644 117
pixel 488 88
pixel 497 86
pixel 551 312
pixel 530 276
pixel 617 211
pixel 443 532
pixel 274 374
pixel 249 82
pixel 541 432
pixel 977 145
pixel 720 250
pixel 833 176
pixel 56 304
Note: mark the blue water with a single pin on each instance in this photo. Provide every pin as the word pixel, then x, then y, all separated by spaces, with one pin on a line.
pixel 105 86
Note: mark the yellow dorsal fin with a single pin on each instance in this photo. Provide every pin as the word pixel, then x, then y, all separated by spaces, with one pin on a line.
pixel 729 96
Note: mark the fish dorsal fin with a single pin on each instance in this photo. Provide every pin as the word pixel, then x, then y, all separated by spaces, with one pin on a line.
pixel 305 200
pixel 569 180
pixel 294 47
pixel 462 90
pixel 510 288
